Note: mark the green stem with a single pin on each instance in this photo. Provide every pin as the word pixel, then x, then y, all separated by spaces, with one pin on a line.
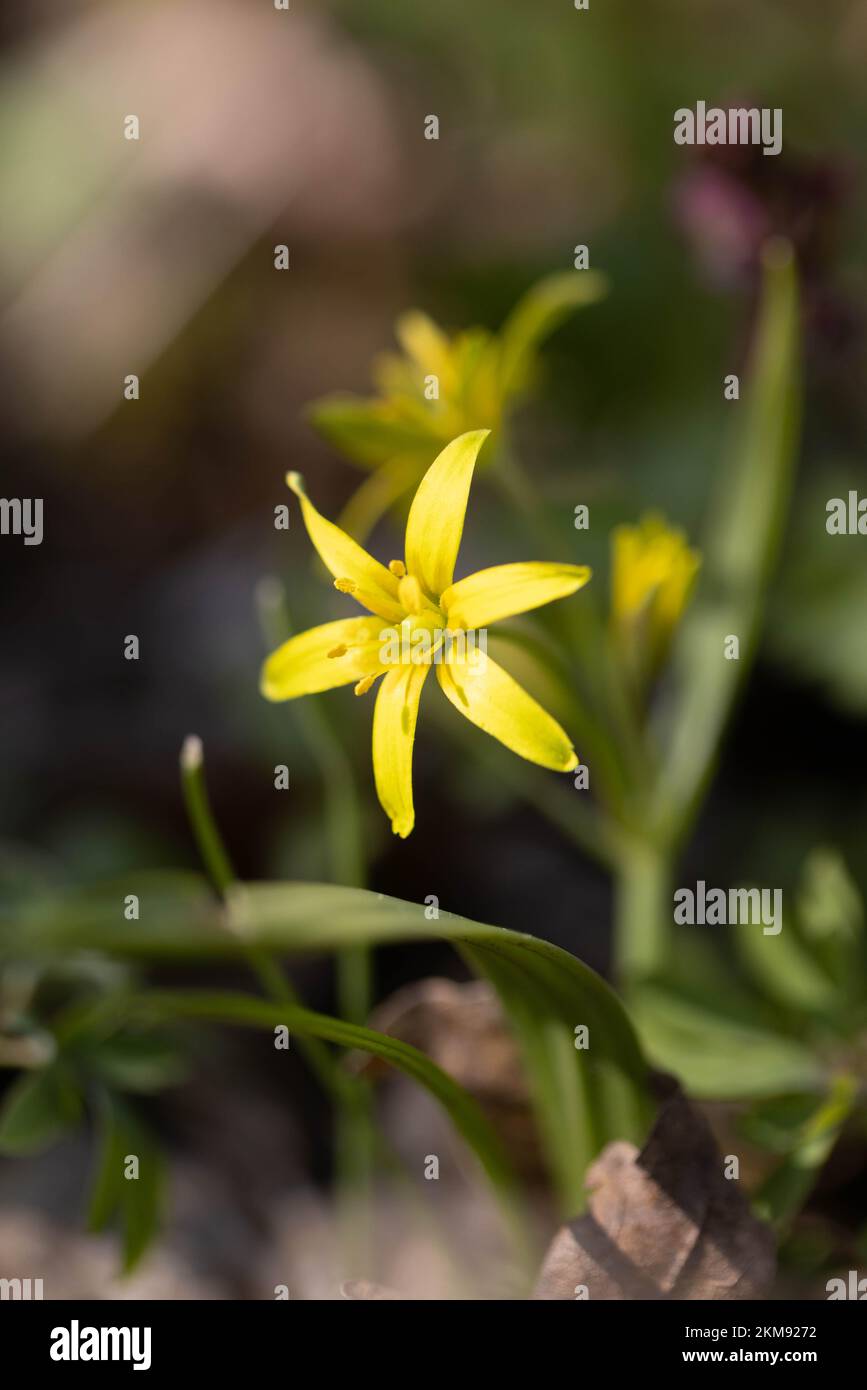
pixel 620 752
pixel 747 520
pixel 342 810
pixel 643 913
pixel 519 491
pixel 355 1130
pixel 216 860
pixel 208 838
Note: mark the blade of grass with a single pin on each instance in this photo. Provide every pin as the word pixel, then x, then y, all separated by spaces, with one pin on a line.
pixel 784 1193
pixel 216 860
pixel 741 546
pixel 463 1112
pixel 607 1082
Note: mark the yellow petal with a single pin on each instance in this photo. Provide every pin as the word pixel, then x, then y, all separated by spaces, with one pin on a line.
pixel 653 573
pixel 436 517
pixel 504 590
pixel 322 658
pixel 394 720
pixel 371 583
pixel 427 345
pixel 489 697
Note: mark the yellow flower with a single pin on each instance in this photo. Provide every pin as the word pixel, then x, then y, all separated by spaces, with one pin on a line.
pixel 653 571
pixel 419 617
pixel 439 386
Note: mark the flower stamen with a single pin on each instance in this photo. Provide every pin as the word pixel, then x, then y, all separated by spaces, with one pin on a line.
pixel 364 685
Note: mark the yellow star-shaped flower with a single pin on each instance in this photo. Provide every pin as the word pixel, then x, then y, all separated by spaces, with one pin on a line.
pixel 419 618
pixel 653 574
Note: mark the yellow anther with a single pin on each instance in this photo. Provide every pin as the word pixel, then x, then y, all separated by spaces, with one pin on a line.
pixel 346 586
pixel 364 685
pixel 398 568
pixel 339 651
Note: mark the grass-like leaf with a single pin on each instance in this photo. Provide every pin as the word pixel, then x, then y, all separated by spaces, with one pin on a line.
pixel 718 1056
pixel 783 1193
pixel 37 1109
pixel 747 518
pixel 583 1098
pixel 136 1200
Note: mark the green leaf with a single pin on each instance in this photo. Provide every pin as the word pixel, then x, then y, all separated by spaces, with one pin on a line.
pixel 170 903
pixel 700 972
pixel 583 1098
pixel 784 970
pixel 464 1113
pixel 820 598
pixel 539 312
pixel 598 1094
pixel 717 1057
pixel 831 916
pixel 368 432
pixel 105 1193
pixel 37 1109
pixel 777 1123
pixel 783 1194
pixel 741 543
pixel 136 1201
pixel 142 1063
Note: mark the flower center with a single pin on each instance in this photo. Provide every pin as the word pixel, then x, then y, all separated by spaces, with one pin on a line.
pixel 418 638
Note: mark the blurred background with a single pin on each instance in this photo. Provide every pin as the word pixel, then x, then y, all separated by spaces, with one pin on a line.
pixel 156 258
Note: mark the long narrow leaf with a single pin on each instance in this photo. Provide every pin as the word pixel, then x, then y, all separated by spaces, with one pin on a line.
pixel 583 1097
pixel 742 540
pixel 462 1110
pixel 783 1194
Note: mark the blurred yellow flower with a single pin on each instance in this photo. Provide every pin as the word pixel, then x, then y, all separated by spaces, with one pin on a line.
pixel 441 386
pixel 422 618
pixel 653 572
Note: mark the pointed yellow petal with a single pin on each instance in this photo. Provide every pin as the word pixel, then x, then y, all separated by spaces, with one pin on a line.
pixel 427 345
pixel 322 658
pixel 436 517
pixel 487 696
pixel 504 590
pixel 394 720
pixel 374 586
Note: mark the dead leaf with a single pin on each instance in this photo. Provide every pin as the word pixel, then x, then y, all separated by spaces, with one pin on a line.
pixel 662 1223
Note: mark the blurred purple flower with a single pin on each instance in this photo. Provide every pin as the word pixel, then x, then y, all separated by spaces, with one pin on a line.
pixel 730 198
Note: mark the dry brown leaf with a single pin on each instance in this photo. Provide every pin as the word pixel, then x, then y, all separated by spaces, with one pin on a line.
pixel 662 1223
